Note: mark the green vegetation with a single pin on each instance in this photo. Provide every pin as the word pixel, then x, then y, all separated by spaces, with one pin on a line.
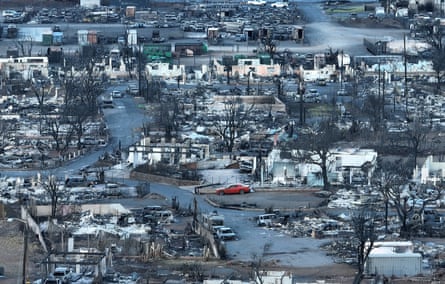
pixel 346 9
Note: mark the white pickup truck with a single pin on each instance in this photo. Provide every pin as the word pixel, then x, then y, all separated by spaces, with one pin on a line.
pixel 225 233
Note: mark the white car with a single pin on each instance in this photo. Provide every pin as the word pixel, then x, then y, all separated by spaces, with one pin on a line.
pixel 256 2
pixel 62 273
pixel 116 94
pixel 279 5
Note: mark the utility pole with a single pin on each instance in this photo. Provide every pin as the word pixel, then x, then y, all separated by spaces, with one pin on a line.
pixel 406 75
pixel 25 252
pixel 251 69
pixel 379 90
pixel 301 93
pixel 140 70
pixel 341 71
pixel 383 95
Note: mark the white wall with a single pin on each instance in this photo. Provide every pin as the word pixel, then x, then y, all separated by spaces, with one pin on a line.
pixel 90 3
pixel 399 266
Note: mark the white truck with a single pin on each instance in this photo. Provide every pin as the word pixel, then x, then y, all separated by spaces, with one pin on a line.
pixel 225 233
pixel 266 219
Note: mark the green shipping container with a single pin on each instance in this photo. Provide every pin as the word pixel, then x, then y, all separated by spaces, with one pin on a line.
pixel 47 39
pixel 265 59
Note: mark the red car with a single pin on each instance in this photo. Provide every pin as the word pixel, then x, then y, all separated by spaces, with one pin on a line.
pixel 233 189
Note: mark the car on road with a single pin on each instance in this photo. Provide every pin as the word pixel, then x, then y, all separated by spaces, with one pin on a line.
pixel 225 233
pixel 342 92
pixel 256 2
pixel 107 105
pixel 139 25
pixel 312 96
pixel 279 5
pixel 133 89
pixel 107 101
pixel 234 189
pixel 321 82
pixel 116 94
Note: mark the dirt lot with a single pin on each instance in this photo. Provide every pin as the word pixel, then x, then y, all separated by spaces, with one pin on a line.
pixel 281 199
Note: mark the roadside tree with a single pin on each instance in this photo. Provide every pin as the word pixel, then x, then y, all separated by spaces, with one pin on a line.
pixel 232 121
pixel 314 146
pixel 6 127
pixel 362 223
pixel 389 174
pixel 25 46
pixel 416 138
pixel 81 90
pixel 168 113
pixel 269 45
pixel 77 115
pixel 409 201
pixel 41 92
pixel 51 187
pixel 60 132
pixel 82 82
pixel 372 109
pixel 438 60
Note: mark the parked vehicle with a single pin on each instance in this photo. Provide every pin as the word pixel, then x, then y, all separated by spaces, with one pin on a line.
pixel 234 189
pixel 62 273
pixel 279 5
pixel 52 280
pixel 107 101
pixel 256 2
pixel 116 94
pixel 78 180
pixel 133 90
pixel 321 82
pixel 225 233
pixel 212 220
pixel 312 96
pixel 164 217
pixel 74 181
pixel 342 92
pixel 265 219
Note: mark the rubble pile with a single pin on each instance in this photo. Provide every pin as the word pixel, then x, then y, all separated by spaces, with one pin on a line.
pixel 343 250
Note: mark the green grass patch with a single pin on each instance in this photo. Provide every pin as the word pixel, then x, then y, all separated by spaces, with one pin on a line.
pixel 347 9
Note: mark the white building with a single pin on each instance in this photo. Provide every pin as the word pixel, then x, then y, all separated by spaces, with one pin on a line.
pixel 394 259
pixel 165 70
pixel 176 153
pixel 431 171
pixel 25 65
pixel 246 67
pixel 324 73
pixel 132 37
pixel 343 166
pixel 89 3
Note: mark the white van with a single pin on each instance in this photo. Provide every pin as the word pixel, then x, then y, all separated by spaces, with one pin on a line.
pixel 265 219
